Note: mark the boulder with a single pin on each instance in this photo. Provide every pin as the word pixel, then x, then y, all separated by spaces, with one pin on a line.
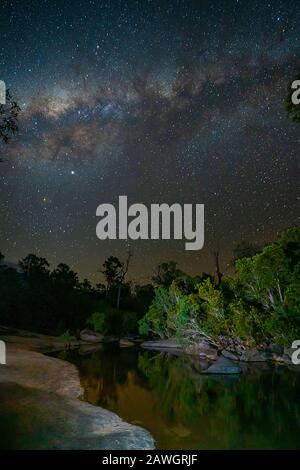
pixel 276 349
pixel 230 355
pixel 126 343
pixel 223 366
pixel 39 400
pixel 232 344
pixel 283 359
pixel 203 349
pixel 256 355
pixel 288 352
pixel 91 336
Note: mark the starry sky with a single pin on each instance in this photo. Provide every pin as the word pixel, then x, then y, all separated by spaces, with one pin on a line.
pixel 176 101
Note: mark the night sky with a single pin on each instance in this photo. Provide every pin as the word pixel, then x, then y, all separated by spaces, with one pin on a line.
pixel 175 101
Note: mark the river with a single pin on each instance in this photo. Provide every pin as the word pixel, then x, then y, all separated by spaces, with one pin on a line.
pixel 167 395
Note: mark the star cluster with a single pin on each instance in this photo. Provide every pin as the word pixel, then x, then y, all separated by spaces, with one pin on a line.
pixel 176 101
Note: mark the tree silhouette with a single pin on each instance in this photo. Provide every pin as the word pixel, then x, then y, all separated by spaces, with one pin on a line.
pixel 33 264
pixel 166 273
pixel 115 272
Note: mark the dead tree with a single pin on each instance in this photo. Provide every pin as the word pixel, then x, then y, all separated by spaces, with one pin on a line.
pixel 218 273
pixel 122 277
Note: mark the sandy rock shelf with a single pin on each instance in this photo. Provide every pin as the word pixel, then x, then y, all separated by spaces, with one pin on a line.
pixel 40 409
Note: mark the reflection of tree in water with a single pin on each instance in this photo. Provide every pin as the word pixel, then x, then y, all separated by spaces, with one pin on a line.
pixel 255 410
pixel 170 378
pixel 102 372
pixel 184 409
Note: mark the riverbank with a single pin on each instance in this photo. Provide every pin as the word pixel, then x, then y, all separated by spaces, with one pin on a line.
pixel 236 351
pixel 40 404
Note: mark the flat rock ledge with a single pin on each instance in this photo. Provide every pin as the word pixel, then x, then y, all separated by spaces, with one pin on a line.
pixel 39 401
pixel 162 344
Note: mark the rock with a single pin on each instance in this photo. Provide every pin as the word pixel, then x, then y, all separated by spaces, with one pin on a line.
pixel 38 398
pixel 134 338
pixel 230 355
pixel 288 352
pixel 37 342
pixel 276 349
pixel 125 343
pixel 255 355
pixel 161 344
pixel 203 349
pixel 40 420
pixel 283 359
pixel 91 336
pixel 223 366
pixel 33 369
pixel 231 344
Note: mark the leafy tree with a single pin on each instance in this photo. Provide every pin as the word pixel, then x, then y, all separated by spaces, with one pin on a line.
pixel 169 312
pixel 265 277
pixel 212 298
pixel 115 272
pixel 34 265
pixel 155 319
pixel 97 321
pixel 245 250
pixel 290 243
pixel 166 273
pixel 66 338
pixel 260 304
pixel 64 277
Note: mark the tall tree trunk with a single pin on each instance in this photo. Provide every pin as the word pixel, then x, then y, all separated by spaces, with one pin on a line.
pixel 119 297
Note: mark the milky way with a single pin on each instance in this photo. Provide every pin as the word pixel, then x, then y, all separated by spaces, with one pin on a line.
pixel 176 101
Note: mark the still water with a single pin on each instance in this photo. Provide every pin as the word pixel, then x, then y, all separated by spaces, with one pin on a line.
pixel 182 409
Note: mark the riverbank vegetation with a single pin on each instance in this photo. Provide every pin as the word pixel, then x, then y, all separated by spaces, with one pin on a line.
pixel 258 304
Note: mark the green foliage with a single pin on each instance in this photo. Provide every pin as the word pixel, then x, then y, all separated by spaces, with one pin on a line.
pixel 265 277
pixel 212 299
pixel 155 320
pixel 97 321
pixel 260 304
pixel 247 322
pixel 66 337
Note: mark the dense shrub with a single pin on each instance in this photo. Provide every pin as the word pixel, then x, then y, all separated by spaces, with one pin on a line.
pixel 259 304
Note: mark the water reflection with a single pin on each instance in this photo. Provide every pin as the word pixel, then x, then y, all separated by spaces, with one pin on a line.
pixel 185 410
